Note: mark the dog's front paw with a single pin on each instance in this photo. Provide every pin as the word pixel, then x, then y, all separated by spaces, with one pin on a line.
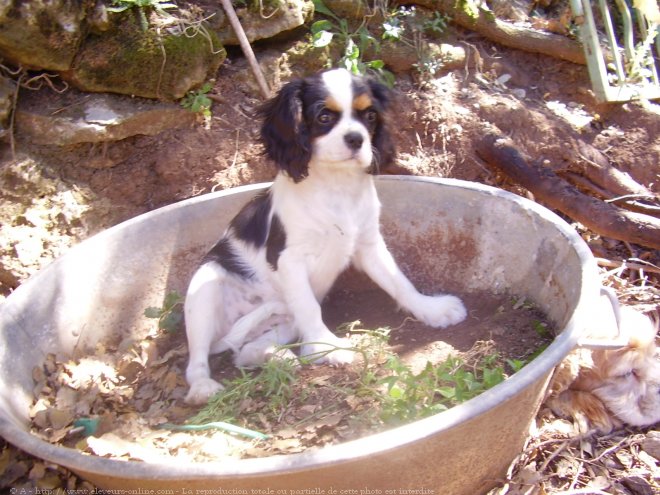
pixel 440 311
pixel 334 351
pixel 201 390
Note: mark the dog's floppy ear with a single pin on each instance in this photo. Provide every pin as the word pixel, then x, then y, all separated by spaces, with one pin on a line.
pixel 283 132
pixel 382 142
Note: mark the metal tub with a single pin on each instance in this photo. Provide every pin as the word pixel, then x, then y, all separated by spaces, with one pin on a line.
pixel 447 234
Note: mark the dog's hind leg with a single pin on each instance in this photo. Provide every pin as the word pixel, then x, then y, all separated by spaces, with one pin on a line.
pixel 265 347
pixel 241 329
pixel 204 316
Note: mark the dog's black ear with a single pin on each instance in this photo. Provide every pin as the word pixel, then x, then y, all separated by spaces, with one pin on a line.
pixel 284 133
pixel 382 142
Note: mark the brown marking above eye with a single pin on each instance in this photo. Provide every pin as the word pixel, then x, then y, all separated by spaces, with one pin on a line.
pixel 362 102
pixel 332 104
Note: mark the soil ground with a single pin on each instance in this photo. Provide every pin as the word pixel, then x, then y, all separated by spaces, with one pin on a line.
pixel 54 197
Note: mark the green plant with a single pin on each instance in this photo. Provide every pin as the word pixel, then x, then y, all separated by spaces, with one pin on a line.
pixel 170 315
pixel 355 43
pixel 411 396
pixel 198 102
pixel 473 8
pixel 405 25
pixel 437 25
pixel 383 391
pixel 267 390
pixel 143 8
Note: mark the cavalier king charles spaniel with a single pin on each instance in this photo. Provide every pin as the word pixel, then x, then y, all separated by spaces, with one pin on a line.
pixel 602 389
pixel 261 285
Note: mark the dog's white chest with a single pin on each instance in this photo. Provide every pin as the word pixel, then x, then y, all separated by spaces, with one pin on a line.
pixel 326 228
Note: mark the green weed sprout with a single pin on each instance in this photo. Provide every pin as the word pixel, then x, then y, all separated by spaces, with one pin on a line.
pixel 143 7
pixel 170 315
pixel 198 102
pixel 355 43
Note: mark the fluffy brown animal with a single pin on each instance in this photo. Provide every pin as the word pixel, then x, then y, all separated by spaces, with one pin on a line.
pixel 605 389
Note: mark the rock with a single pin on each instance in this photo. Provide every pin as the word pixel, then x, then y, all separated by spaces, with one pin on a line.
pixel 42 34
pixel 347 9
pixel 289 15
pixel 400 57
pixel 452 57
pixel 128 60
pixel 279 66
pixel 98 51
pixel 71 119
pixel 515 10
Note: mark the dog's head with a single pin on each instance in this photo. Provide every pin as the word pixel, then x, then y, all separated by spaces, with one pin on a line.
pixel 332 119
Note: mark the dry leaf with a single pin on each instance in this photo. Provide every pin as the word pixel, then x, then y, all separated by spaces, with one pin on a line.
pixel 287 444
pixel 624 458
pixel 329 421
pixel 114 446
pixel 66 398
pixel 59 418
pixel 38 471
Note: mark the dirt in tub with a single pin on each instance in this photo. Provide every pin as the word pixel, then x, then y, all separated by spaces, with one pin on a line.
pixel 126 400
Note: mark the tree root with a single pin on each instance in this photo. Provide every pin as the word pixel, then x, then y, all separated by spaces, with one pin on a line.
pixel 548 188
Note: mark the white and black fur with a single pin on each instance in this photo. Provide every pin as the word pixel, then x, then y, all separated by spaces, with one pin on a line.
pixel 261 285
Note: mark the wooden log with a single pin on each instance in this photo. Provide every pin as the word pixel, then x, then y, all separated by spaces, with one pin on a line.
pixel 548 188
pixel 598 169
pixel 512 35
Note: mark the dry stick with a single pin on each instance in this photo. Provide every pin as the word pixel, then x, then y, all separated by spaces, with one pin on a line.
pixel 599 170
pixel 548 188
pixel 245 46
pixel 12 119
pixel 627 264
pixel 626 201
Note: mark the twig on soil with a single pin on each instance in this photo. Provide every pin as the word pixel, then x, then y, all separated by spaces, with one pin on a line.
pixel 245 46
pixel 626 441
pixel 12 118
pixel 634 265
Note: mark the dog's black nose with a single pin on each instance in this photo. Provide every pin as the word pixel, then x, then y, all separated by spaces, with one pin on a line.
pixel 354 140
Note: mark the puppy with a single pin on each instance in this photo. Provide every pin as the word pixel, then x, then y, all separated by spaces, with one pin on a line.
pixel 261 285
pixel 604 389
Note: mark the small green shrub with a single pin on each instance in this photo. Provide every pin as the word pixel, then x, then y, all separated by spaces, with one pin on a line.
pixel 198 102
pixel 170 315
pixel 355 43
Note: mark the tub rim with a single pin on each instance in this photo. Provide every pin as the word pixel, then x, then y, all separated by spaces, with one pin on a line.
pixel 352 450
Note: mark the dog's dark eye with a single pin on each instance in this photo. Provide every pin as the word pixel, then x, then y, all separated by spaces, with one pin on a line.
pixel 371 115
pixel 326 117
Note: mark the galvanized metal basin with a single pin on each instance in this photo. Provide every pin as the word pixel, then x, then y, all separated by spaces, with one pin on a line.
pixel 447 234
